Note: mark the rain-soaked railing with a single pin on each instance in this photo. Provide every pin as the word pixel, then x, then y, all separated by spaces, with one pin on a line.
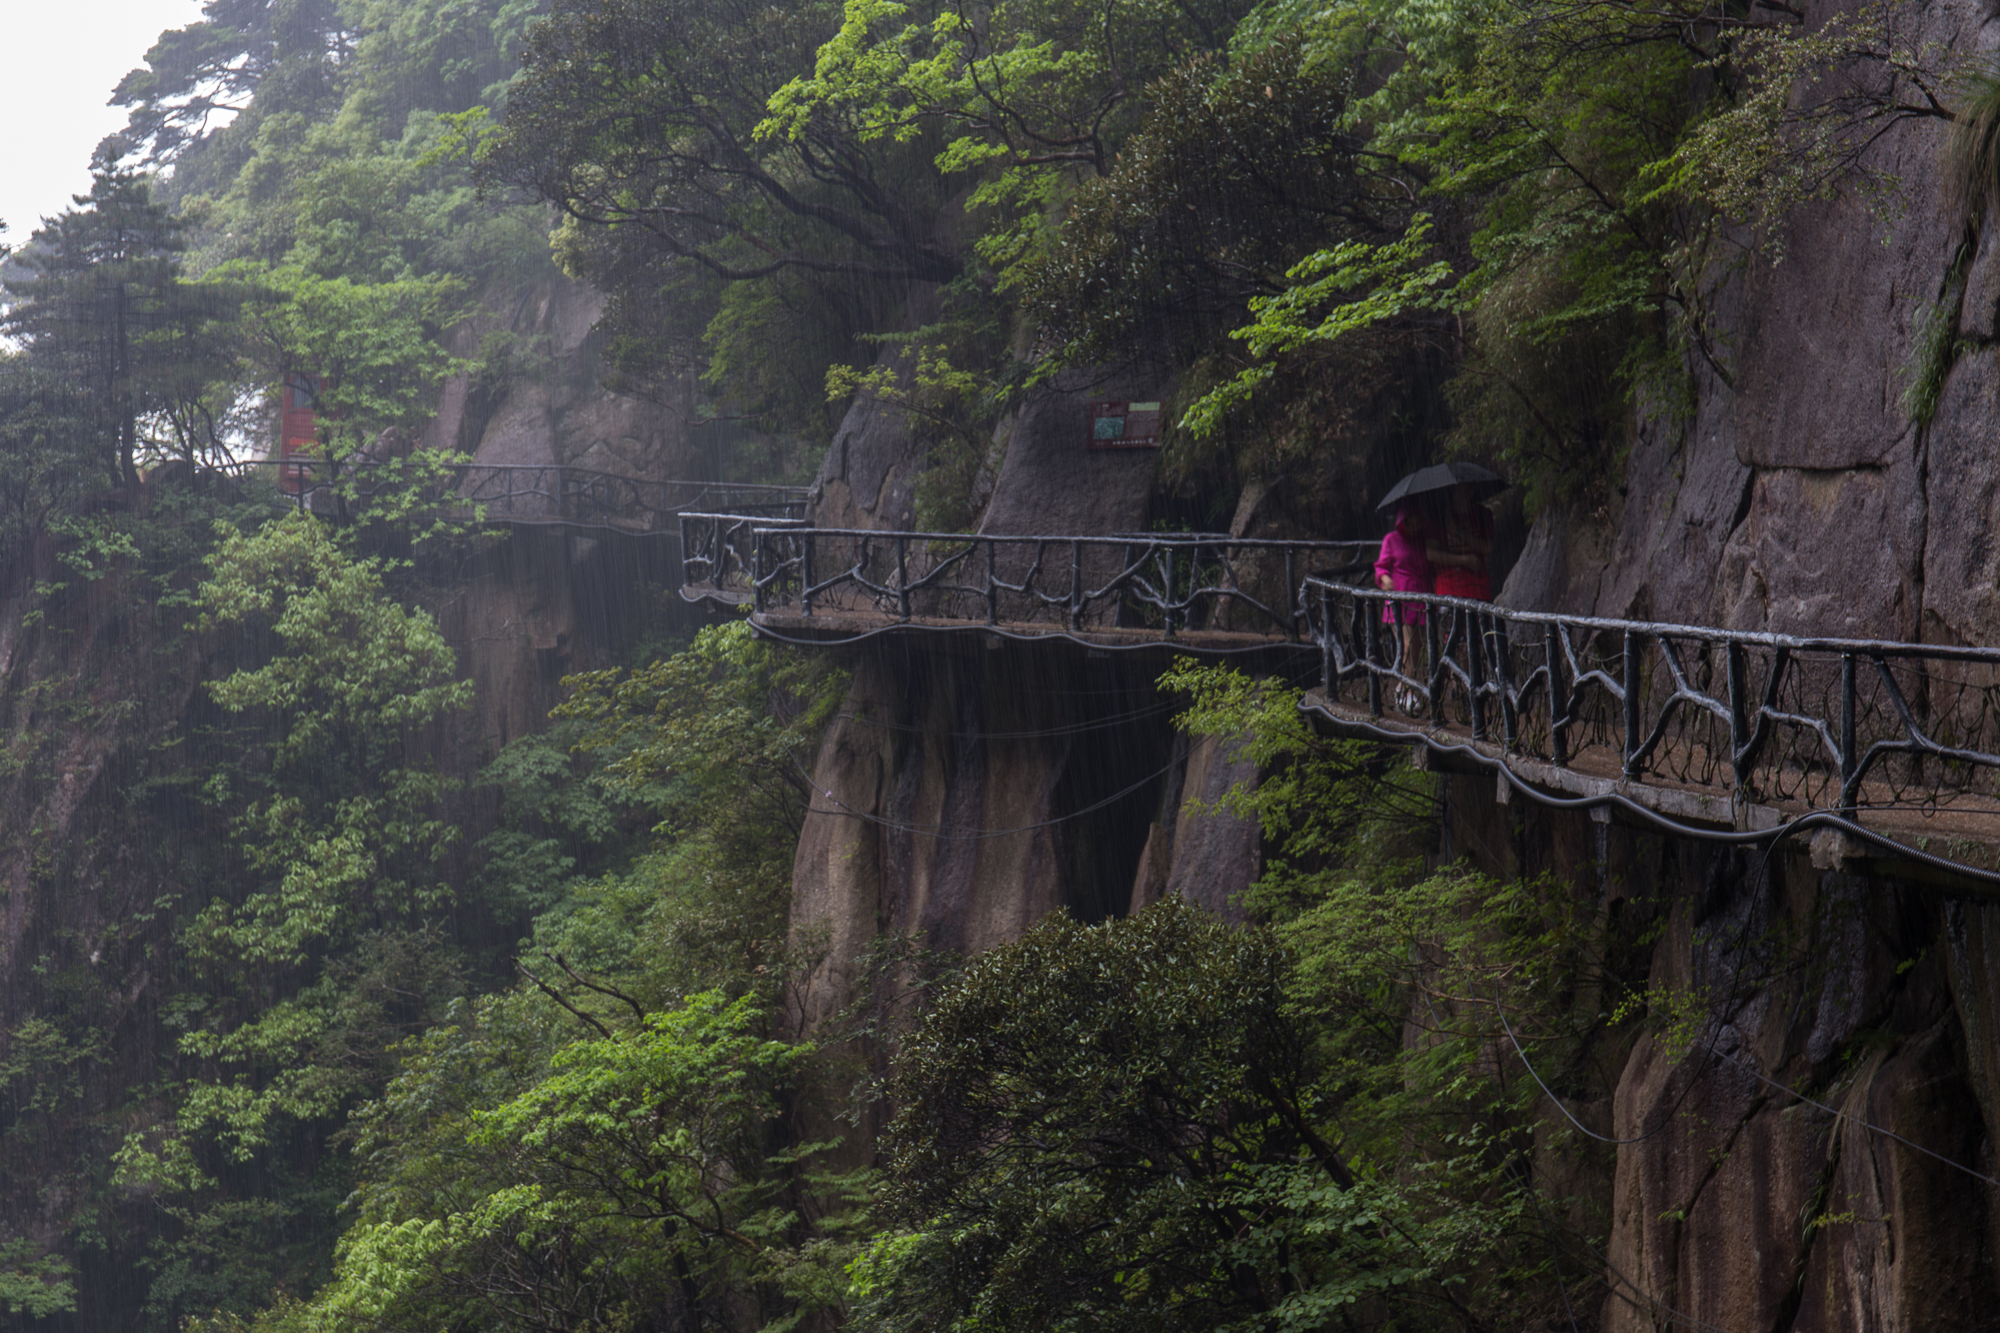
pixel 1827 724
pixel 541 493
pixel 1170 583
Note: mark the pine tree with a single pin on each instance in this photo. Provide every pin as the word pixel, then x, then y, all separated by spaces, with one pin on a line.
pixel 104 308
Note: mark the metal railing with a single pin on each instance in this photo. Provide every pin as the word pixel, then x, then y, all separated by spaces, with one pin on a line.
pixel 1169 583
pixel 1835 724
pixel 580 498
pixel 530 494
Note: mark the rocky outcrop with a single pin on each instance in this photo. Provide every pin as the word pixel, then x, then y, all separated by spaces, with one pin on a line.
pixel 1811 1153
pixel 1051 482
pixel 1048 480
pixel 942 801
pixel 1214 854
pixel 868 478
pixel 545 602
pixel 543 400
pixel 970 788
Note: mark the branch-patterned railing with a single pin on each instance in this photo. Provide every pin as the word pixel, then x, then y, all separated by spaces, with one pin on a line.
pixel 1169 583
pixel 554 494
pixel 1834 724
pixel 574 496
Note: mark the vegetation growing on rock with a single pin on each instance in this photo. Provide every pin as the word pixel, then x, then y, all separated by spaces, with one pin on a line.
pixel 321 1031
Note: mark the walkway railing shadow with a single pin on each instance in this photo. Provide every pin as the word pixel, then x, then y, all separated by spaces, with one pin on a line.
pixel 1169 583
pixel 1824 724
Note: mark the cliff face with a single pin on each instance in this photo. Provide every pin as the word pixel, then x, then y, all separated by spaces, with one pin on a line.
pixel 1799 497
pixel 1802 499
pixel 972 784
pixel 1819 1154
pixel 545 603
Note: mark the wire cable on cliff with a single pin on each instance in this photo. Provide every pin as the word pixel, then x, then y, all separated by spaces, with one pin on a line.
pixel 1872 1128
pixel 1046 733
pixel 946 832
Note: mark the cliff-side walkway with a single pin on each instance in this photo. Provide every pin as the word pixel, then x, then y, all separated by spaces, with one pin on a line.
pixel 539 494
pixel 1198 592
pixel 1879 749
pixel 1883 752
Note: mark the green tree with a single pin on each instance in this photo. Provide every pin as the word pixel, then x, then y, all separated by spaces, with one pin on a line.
pixel 615 1139
pixel 322 943
pixel 343 812
pixel 46 468
pixel 634 1184
pixel 1129 1126
pixel 1023 96
pixel 104 306
pixel 209 71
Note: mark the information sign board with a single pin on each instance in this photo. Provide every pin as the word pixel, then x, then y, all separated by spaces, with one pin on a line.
pixel 1122 425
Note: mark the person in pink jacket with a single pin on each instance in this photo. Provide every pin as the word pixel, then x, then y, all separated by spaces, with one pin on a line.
pixel 1403 567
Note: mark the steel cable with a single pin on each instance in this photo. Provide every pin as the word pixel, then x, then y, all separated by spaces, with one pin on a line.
pixel 943 832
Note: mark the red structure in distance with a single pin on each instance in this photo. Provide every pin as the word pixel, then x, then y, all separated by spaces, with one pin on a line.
pixel 298 429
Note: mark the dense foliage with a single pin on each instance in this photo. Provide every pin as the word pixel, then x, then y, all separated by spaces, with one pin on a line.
pixel 346 1071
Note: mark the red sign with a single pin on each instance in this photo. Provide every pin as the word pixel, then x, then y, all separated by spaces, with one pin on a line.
pixel 298 429
pixel 1124 426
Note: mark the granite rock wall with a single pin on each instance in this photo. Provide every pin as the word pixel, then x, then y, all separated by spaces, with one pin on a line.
pixel 544 603
pixel 971 787
pixel 1815 1153
pixel 974 784
pixel 1798 496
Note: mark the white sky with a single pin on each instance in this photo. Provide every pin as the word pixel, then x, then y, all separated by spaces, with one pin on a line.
pixel 59 60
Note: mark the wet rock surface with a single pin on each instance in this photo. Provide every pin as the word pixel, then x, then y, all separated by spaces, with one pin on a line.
pixel 1053 482
pixel 1798 495
pixel 868 478
pixel 967 791
pixel 1826 554
pixel 1811 1151
pixel 1215 855
pixel 551 406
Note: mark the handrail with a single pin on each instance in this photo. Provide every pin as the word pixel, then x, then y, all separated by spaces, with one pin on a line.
pixel 1170 583
pixel 540 493
pixel 1824 723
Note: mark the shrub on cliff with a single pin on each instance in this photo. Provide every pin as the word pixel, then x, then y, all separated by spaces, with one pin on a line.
pixel 1134 1126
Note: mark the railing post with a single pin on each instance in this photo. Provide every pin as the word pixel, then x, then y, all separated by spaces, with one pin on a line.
pixel 1850 779
pixel 1475 662
pixel 1371 649
pixel 1076 584
pixel 1632 737
pixel 1167 563
pixel 1739 717
pixel 903 575
pixel 1326 675
pixel 806 572
pixel 1558 696
pixel 1503 673
pixel 1434 666
pixel 992 589
pixel 757 569
pixel 1291 593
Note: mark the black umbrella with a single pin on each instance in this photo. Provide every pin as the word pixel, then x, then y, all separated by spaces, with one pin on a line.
pixel 1442 477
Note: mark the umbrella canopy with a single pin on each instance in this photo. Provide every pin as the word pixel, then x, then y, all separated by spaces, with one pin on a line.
pixel 1442 477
